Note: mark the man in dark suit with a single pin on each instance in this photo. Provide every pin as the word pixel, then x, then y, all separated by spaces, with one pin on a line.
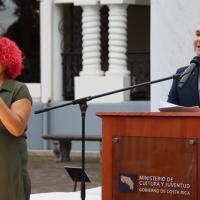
pixel 189 94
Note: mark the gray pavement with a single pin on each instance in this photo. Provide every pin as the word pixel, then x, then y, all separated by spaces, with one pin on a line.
pixel 50 176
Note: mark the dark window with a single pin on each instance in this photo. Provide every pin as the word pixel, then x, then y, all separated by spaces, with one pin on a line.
pixel 70 28
pixel 19 20
pixel 139 49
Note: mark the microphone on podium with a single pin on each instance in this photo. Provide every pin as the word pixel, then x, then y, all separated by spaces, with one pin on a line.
pixel 195 62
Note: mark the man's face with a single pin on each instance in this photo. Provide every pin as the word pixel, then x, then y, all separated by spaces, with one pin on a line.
pixel 196 42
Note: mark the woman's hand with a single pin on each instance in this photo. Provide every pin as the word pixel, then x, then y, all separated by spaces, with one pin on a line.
pixel 16 117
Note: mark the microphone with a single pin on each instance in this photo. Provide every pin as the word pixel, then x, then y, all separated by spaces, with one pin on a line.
pixel 195 62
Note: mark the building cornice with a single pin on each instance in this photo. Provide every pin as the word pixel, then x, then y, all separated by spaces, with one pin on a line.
pixel 103 2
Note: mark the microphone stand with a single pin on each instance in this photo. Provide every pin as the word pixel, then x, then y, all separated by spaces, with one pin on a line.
pixel 83 108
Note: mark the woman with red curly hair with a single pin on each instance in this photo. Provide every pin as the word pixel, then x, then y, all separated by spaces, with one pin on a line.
pixel 15 109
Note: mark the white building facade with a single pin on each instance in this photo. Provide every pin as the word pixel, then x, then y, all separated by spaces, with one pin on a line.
pixel 91 80
pixel 172 30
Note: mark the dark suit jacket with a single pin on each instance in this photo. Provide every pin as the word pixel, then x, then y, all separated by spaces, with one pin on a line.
pixel 188 94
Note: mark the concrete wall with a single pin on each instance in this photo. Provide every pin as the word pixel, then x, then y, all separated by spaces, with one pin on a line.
pixel 35 129
pixel 173 23
pixel 67 120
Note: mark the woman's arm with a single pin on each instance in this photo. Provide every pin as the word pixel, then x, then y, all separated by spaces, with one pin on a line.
pixel 16 117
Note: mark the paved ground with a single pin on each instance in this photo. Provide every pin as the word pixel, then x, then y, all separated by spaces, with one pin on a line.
pixel 49 176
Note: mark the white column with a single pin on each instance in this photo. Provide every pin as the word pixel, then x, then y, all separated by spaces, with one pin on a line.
pixel 46 48
pixel 56 56
pixel 117 40
pixel 97 84
pixel 91 54
pixel 46 59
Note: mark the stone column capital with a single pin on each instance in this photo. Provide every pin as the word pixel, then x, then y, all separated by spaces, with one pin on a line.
pixel 86 2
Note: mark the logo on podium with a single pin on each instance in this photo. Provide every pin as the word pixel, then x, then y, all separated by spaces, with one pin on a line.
pixel 128 183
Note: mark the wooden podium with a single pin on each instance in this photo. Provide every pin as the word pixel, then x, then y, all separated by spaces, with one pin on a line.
pixel 150 156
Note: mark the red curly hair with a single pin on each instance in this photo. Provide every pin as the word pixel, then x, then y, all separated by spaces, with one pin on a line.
pixel 11 57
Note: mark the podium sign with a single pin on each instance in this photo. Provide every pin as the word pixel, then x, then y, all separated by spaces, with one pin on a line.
pixel 150 156
pixel 154 168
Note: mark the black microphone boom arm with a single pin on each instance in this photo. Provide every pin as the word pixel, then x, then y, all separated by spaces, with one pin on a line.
pixel 89 98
